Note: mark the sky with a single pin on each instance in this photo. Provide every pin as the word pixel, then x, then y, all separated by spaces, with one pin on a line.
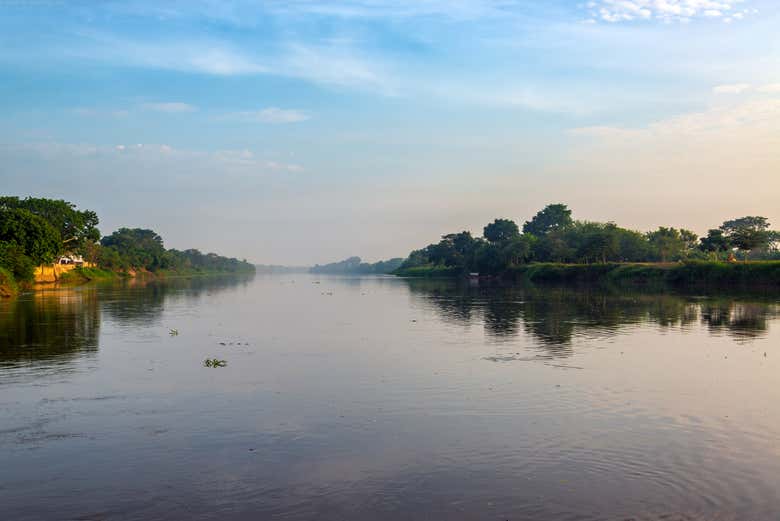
pixel 299 132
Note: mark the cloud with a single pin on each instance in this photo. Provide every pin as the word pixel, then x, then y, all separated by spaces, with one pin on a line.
pixel 771 88
pixel 695 168
pixel 170 107
pixel 241 162
pixel 273 115
pixel 736 122
pixel 733 88
pixel 665 10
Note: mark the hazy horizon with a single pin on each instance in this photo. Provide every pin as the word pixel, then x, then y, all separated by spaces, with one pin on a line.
pixel 303 133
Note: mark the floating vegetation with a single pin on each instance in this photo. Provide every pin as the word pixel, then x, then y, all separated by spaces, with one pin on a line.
pixel 214 362
pixel 173 332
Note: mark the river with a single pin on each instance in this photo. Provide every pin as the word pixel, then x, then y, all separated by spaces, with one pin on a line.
pixel 380 398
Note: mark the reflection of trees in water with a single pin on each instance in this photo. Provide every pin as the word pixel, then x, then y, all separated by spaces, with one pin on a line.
pixel 142 301
pixel 553 316
pixel 743 320
pixel 52 326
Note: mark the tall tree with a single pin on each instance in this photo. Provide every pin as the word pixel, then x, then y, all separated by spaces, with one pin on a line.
pixel 501 231
pixel 552 217
pixel 715 242
pixel 748 233
pixel 25 240
pixel 667 242
pixel 77 228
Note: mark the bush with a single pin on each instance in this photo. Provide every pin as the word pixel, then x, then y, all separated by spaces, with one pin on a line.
pixel 13 259
pixel 8 287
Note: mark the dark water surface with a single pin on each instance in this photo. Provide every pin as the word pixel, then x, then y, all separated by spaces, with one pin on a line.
pixel 387 399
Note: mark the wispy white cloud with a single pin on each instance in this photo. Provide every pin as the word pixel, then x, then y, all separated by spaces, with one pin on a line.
pixel 94 112
pixel 170 106
pixel 237 161
pixel 666 10
pixel 459 10
pixel 735 121
pixel 771 88
pixel 272 115
pixel 731 88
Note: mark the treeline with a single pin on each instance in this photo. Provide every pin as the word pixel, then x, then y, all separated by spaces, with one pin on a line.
pixel 355 266
pixel 552 235
pixel 37 231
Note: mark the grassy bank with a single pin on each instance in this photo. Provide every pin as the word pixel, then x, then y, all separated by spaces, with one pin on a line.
pixel 695 274
pixel 8 285
pixel 191 272
pixel 429 272
pixel 84 275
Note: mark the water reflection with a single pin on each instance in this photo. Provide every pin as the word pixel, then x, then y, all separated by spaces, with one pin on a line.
pixel 554 316
pixel 54 326
pixel 139 302
pixel 51 326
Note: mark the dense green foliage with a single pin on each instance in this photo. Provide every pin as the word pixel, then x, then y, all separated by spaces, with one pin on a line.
pixel 552 236
pixel 137 248
pixel 76 228
pixel 690 273
pixel 36 231
pixel 8 286
pixel 354 266
pixel 26 240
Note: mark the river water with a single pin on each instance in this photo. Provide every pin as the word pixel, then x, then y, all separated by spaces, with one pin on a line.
pixel 380 398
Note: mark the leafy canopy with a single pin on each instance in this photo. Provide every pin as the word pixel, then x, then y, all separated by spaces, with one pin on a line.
pixel 552 217
pixel 77 228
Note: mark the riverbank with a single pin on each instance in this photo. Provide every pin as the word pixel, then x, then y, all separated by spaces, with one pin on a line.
pixel 8 285
pixel 85 275
pixel 695 274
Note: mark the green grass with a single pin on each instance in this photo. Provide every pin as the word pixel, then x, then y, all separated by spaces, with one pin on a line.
pixel 83 275
pixel 700 274
pixel 8 286
pixel 694 274
pixel 429 272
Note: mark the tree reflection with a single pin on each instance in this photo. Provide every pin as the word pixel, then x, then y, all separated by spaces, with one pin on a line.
pixel 52 326
pixel 142 301
pixel 555 316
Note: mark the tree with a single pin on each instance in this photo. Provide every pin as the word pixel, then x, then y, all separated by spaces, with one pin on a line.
pixel 552 217
pixel 76 228
pixel 747 233
pixel 598 242
pixel 501 231
pixel 715 242
pixel 518 249
pixel 138 247
pixel 24 236
pixel 668 243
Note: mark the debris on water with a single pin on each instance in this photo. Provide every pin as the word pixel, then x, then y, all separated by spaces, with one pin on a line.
pixel 214 362
pixel 222 344
pixel 173 332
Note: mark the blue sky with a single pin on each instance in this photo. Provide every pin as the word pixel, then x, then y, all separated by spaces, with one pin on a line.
pixel 301 132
